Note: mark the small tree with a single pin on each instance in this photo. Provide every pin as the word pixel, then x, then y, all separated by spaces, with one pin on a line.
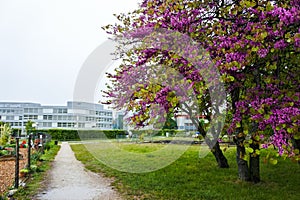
pixel 170 123
pixel 29 127
pixel 5 133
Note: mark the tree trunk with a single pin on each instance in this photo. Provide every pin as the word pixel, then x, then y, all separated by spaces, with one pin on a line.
pixel 254 156
pixel 296 144
pixel 254 164
pixel 243 169
pixel 220 158
pixel 214 146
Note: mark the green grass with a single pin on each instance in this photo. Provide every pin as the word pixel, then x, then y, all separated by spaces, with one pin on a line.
pixel 190 177
pixel 34 182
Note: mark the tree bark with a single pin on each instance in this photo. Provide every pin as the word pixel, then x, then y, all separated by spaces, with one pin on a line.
pixel 254 156
pixel 214 146
pixel 254 164
pixel 220 158
pixel 243 170
pixel 296 144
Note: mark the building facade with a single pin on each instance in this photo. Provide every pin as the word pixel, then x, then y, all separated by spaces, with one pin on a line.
pixel 74 115
pixel 185 123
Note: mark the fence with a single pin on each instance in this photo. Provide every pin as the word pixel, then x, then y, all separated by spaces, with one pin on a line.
pixel 11 166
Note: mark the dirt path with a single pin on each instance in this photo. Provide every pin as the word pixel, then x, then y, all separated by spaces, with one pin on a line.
pixel 69 180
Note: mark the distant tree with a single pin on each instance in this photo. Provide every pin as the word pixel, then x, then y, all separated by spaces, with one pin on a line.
pixel 29 127
pixel 170 123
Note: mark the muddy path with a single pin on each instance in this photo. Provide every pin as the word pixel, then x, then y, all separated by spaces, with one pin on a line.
pixel 69 180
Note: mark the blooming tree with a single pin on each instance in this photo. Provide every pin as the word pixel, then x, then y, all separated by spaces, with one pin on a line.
pixel 254 45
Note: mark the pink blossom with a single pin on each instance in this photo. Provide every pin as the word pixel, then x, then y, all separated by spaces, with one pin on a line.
pixel 262 53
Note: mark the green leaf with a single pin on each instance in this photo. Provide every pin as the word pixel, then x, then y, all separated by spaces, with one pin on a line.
pixel 297 136
pixel 249 150
pixel 267 80
pixel 255 49
pixel 249 37
pixel 257 138
pixel 261 111
pixel 257 151
pixel 231 78
pixel 269 6
pixel 287 35
pixel 245 157
pixel 264 35
pixel 289 130
pixel 284 156
pixel 273 161
pixel 248 4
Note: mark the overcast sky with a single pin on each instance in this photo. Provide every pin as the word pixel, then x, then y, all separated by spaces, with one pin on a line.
pixel 43 44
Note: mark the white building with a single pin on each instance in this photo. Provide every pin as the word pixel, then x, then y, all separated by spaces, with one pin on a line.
pixel 185 123
pixel 75 115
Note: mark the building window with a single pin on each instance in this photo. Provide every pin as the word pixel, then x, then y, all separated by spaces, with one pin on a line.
pixel 60 110
pixel 30 117
pixel 70 124
pixel 90 119
pixel 9 117
pixel 17 123
pixel 71 118
pixel 61 124
pixel 47 124
pixel 92 112
pixel 66 124
pixel 31 110
pixel 81 125
pixel 81 118
pixel 47 117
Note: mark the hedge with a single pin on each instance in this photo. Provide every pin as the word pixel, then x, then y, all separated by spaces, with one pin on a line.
pixel 161 132
pixel 67 135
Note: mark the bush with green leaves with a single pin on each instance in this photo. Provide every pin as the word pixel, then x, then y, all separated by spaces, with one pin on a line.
pixel 5 134
pixel 67 135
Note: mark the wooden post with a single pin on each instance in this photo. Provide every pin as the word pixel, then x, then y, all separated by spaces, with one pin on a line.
pixel 29 149
pixel 43 142
pixel 17 164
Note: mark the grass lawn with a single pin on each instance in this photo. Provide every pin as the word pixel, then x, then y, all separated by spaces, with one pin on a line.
pixel 191 177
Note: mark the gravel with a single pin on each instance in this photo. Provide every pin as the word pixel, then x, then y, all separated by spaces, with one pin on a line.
pixel 68 180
